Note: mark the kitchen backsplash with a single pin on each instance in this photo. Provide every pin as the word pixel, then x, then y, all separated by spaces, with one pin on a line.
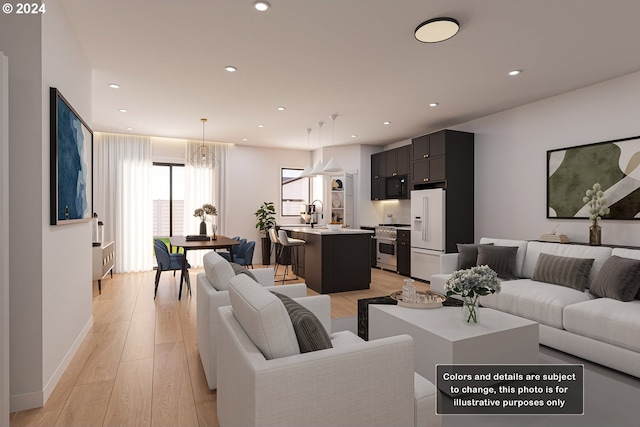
pixel 400 212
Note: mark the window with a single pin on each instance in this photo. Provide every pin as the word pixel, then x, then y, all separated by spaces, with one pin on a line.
pixel 168 199
pixel 294 192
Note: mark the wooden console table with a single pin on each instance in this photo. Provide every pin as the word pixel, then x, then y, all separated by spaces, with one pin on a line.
pixel 104 258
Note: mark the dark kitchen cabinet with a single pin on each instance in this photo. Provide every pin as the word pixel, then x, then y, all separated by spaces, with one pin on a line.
pixel 397 161
pixel 378 163
pixel 404 252
pixel 388 163
pixel 428 157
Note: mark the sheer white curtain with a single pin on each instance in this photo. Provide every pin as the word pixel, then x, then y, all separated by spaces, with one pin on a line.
pixel 123 197
pixel 205 186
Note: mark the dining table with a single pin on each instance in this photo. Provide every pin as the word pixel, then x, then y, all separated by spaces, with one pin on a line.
pixel 216 243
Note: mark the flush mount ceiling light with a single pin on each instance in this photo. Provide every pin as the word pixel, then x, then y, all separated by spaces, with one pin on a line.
pixel 261 6
pixel 437 30
pixel 281 108
pixel 386 123
pixel 114 86
pixel 204 157
pixel 230 68
pixel 515 72
pixel 123 110
pixel 433 104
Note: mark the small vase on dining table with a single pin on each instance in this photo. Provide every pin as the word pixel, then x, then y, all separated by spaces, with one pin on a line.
pixel 203 228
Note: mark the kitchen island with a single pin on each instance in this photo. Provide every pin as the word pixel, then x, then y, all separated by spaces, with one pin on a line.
pixel 333 261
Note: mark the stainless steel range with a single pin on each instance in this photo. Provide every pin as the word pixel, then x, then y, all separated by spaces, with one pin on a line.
pixel 386 247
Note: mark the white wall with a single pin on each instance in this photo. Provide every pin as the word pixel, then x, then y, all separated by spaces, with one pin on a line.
pixel 253 178
pixel 66 249
pixel 510 159
pixel 4 240
pixel 20 41
pixel 51 266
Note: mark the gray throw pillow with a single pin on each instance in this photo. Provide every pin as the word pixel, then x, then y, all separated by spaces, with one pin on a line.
pixel 240 269
pixel 468 255
pixel 564 271
pixel 619 278
pixel 501 259
pixel 309 330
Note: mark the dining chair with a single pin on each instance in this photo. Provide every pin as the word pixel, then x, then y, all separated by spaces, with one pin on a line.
pixel 168 261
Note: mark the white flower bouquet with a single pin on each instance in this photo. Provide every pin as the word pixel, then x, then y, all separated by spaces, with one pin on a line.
pixel 471 284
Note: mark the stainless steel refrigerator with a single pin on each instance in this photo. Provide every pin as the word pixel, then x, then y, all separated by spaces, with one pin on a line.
pixel 427 232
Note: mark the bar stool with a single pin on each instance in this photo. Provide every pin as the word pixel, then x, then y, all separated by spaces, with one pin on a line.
pixel 276 247
pixel 289 244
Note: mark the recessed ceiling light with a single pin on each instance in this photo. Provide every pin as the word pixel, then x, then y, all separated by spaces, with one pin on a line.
pixel 261 6
pixel 437 30
pixel 245 139
pixel 354 136
pixel 231 68
pixel 114 86
pixel 260 126
pixel 433 104
pixel 123 110
pixel 386 123
pixel 515 72
pixel 281 108
pixel 129 128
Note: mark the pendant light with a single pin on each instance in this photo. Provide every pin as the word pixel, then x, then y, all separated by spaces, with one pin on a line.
pixel 332 166
pixel 318 169
pixel 204 157
pixel 307 170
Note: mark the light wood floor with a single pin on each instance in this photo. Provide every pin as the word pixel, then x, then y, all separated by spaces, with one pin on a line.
pixel 139 364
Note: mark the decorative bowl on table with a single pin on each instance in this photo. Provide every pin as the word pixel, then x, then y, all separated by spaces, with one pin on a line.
pixel 424 299
pixel 334 227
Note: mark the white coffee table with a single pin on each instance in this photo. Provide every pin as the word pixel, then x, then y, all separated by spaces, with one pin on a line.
pixel 441 337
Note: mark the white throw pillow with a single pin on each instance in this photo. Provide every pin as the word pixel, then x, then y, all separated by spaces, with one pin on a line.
pixel 263 317
pixel 218 270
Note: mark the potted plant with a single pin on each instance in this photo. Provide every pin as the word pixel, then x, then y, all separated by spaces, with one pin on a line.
pixel 266 220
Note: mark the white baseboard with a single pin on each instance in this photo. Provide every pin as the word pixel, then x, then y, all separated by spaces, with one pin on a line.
pixel 38 398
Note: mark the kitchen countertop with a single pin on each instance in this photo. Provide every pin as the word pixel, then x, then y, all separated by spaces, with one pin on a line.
pixel 322 231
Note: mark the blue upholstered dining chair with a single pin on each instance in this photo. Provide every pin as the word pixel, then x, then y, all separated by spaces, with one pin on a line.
pixel 167 262
pixel 242 253
pixel 234 249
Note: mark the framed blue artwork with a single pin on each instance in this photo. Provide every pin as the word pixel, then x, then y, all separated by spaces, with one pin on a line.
pixel 615 165
pixel 71 169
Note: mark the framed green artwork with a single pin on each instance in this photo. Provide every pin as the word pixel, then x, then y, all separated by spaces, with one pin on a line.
pixel 615 165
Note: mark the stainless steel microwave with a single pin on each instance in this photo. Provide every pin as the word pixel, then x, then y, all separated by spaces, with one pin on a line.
pixel 396 187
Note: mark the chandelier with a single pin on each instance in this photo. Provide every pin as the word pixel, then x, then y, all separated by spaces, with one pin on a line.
pixel 204 157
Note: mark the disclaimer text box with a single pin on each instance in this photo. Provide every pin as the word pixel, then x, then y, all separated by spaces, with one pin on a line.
pixel 510 389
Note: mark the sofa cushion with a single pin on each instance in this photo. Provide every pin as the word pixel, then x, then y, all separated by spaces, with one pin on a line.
pixel 563 271
pixel 263 317
pixel 467 255
pixel 501 259
pixel 607 320
pixel 619 278
pixel 599 254
pixel 627 253
pixel 218 270
pixel 309 331
pixel 538 301
pixel 240 269
pixel 520 256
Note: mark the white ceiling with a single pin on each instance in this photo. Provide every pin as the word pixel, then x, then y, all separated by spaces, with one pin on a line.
pixel 355 58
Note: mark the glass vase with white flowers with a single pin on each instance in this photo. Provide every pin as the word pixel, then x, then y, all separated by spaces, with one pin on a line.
pixel 470 284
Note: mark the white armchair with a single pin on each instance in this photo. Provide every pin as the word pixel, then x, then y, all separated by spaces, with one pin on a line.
pixel 212 293
pixel 355 383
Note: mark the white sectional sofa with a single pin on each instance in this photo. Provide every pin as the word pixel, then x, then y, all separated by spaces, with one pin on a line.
pixel 213 293
pixel 600 329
